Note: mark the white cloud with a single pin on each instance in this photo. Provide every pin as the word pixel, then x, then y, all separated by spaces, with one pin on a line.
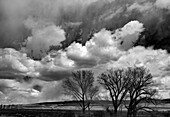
pixel 56 66
pixel 141 56
pixel 129 34
pixel 157 61
pixel 105 46
pixel 102 52
pixel 44 36
pixel 15 64
pixel 81 56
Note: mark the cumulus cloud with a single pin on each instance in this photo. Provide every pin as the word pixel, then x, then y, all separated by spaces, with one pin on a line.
pixel 129 34
pixel 103 51
pixel 13 14
pixel 56 66
pixel 37 24
pixel 102 48
pixel 154 60
pixel 157 61
pixel 44 36
pixel 105 46
pixel 82 57
pixel 15 64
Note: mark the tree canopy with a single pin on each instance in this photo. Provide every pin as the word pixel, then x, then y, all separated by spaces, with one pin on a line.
pixel 116 82
pixel 140 90
pixel 81 87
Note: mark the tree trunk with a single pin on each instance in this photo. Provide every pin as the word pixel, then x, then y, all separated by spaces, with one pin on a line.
pixel 89 110
pixel 129 112
pixel 115 111
pixel 84 108
pixel 134 114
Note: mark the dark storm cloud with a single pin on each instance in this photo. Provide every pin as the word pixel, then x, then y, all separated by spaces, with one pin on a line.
pixel 92 16
pixel 14 13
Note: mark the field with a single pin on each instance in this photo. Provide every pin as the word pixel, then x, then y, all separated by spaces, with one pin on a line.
pixel 70 113
pixel 71 109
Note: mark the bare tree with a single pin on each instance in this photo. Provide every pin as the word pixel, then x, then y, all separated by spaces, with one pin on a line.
pixel 81 87
pixel 116 82
pixel 139 91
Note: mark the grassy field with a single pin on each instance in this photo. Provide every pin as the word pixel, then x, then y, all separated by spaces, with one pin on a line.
pixel 71 113
pixel 71 109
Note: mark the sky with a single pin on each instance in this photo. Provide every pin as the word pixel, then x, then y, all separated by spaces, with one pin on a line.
pixel 114 34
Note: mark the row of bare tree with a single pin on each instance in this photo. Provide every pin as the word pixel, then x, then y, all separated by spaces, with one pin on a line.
pixel 133 84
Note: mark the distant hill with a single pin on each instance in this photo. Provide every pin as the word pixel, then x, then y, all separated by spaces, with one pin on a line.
pixel 76 103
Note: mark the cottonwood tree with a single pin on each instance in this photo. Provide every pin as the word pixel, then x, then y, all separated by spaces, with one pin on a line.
pixel 81 87
pixel 116 82
pixel 139 91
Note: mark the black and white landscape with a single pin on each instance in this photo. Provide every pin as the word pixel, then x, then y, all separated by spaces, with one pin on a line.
pixel 85 58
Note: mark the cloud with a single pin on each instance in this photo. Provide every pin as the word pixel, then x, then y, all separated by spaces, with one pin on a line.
pixel 109 15
pixel 43 37
pixel 52 92
pixel 157 61
pixel 35 25
pixel 82 57
pixel 14 13
pixel 10 91
pixel 105 46
pixel 129 34
pixel 100 49
pixel 146 6
pixel 141 56
pixel 16 65
pixel 56 66
pixel 4 88
pixel 41 9
pixel 14 92
pixel 163 4
pixel 106 49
